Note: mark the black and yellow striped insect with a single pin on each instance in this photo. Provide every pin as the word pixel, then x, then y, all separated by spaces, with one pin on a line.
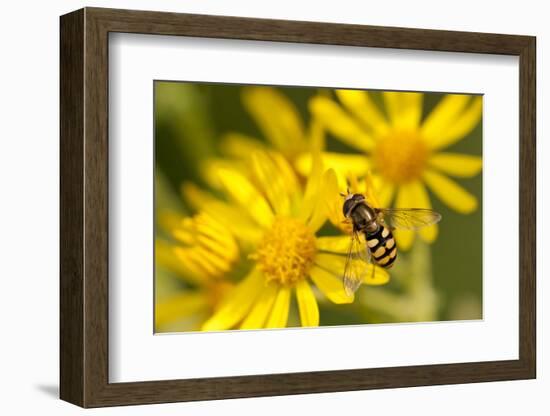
pixel 372 239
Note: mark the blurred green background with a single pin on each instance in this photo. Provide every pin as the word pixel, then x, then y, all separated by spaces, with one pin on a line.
pixel 189 119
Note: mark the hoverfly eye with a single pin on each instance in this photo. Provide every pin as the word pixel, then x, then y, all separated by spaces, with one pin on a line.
pixel 347 207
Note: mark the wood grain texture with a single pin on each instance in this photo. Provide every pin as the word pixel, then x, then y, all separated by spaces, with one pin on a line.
pixel 71 185
pixel 527 208
pixel 84 207
pixel 96 208
pixel 226 27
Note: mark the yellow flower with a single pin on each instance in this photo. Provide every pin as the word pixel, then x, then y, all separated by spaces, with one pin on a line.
pixel 278 222
pixel 403 152
pixel 280 124
pixel 202 254
pixel 278 120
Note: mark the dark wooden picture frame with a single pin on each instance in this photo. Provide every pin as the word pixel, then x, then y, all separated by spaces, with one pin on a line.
pixel 84 207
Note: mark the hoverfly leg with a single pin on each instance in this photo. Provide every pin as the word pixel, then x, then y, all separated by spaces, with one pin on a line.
pixel 373 271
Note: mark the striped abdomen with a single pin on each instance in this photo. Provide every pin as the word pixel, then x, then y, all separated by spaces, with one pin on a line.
pixel 382 246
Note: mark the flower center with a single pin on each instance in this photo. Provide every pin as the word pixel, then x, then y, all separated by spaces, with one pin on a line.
pixel 401 156
pixel 286 252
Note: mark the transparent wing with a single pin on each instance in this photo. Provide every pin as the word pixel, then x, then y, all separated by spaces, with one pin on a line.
pixel 355 268
pixel 408 218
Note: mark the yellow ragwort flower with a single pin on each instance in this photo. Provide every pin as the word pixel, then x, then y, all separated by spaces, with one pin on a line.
pixel 279 123
pixel 403 152
pixel 278 222
pixel 278 120
pixel 202 253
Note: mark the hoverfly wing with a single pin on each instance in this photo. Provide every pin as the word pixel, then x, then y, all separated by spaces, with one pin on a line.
pixel 408 218
pixel 355 268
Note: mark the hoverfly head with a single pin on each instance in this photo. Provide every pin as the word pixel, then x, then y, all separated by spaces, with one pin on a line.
pixel 351 201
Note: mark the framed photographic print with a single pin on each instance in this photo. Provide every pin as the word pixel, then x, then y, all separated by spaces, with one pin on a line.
pixel 255 207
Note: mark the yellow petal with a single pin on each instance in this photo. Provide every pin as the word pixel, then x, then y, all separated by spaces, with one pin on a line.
pixel 221 263
pixel 290 180
pixel 203 230
pixel 231 217
pixel 370 191
pixel 404 238
pixel 320 208
pixel 353 183
pixel 318 217
pixel 333 201
pixel 277 117
pixel 208 247
pixel 453 121
pixel 340 162
pixel 385 191
pixel 237 303
pixel 258 315
pixel 245 194
pixel 313 185
pixel 340 124
pixel 404 199
pixel 376 277
pixel 454 164
pixel 167 220
pixel 194 260
pixel 361 106
pixel 336 265
pixel 447 110
pixel 166 257
pixel 239 145
pixel 195 196
pixel 178 307
pixel 271 183
pixel 209 169
pixel 307 304
pixel 220 248
pixel 331 286
pixel 316 135
pixel 279 313
pixel 197 263
pixel 404 109
pixel 464 124
pixel 450 192
pixel 331 262
pixel 191 271
pixel 241 226
pixel 416 195
pixel 336 244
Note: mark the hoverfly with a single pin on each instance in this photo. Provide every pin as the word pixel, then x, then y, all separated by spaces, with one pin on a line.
pixel 376 225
